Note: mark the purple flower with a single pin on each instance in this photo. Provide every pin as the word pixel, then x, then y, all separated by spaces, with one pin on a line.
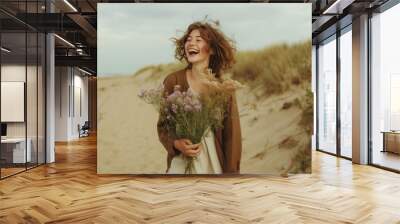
pixel 171 98
pixel 178 93
pixel 174 108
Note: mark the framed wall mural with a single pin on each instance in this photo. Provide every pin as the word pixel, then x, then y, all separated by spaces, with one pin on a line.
pixel 187 88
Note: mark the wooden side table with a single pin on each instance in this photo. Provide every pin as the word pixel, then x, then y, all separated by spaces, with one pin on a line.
pixel 391 141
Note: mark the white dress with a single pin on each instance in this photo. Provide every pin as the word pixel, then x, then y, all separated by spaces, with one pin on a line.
pixel 206 162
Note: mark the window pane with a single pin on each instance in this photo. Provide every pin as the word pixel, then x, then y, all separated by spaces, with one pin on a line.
pixel 31 101
pixel 327 96
pixel 313 75
pixel 41 99
pixel 346 94
pixel 14 153
pixel 386 89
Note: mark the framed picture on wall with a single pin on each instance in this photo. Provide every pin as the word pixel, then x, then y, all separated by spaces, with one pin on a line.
pixel 213 89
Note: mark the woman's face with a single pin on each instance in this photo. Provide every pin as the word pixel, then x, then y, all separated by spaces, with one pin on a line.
pixel 196 48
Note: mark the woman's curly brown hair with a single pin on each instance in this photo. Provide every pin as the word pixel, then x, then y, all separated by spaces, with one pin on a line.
pixel 224 49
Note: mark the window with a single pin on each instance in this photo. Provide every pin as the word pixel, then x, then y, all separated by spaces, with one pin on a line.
pixel 385 89
pixel 22 66
pixel 327 96
pixel 346 93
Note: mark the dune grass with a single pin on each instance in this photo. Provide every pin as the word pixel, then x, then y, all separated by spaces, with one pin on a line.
pixel 275 68
pixel 158 72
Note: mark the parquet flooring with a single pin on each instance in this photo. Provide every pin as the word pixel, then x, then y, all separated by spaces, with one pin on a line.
pixel 10 171
pixel 70 191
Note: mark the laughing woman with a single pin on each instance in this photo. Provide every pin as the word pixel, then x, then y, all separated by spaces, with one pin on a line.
pixel 204 47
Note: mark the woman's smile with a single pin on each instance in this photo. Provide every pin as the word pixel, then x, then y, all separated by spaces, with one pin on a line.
pixel 196 48
pixel 193 52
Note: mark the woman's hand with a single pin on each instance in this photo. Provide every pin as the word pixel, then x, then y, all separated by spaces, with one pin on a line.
pixel 187 147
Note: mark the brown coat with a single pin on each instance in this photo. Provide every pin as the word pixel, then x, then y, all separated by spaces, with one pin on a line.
pixel 228 140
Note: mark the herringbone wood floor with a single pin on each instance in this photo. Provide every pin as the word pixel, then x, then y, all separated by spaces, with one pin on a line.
pixel 69 191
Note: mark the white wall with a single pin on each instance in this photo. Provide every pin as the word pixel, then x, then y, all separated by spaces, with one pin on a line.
pixel 12 73
pixel 79 117
pixel 70 83
pixel 62 81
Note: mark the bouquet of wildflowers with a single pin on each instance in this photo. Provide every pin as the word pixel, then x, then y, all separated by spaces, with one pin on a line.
pixel 188 115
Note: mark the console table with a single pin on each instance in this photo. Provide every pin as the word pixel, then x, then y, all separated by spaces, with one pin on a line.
pixel 391 141
pixel 13 150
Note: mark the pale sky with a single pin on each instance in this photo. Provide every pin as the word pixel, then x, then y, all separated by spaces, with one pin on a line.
pixel 133 35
